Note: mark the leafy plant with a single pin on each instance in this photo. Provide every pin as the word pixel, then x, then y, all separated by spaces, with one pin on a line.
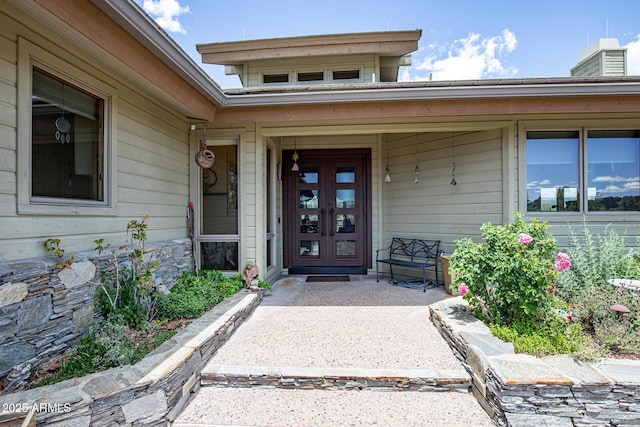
pixel 127 285
pixel 511 276
pixel 617 332
pixel 596 259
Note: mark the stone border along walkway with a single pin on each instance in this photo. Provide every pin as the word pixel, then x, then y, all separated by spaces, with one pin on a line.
pixel 336 378
pixel 523 390
pixel 151 392
pixel 515 390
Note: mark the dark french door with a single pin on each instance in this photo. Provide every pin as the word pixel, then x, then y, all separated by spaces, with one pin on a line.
pixel 327 212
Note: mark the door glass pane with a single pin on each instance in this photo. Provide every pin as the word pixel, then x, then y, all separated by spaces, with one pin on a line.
pixel 346 198
pixel 219 256
pixel 346 248
pixel 553 173
pixel 345 174
pixel 309 199
pixel 345 223
pixel 219 186
pixel 308 175
pixel 309 248
pixel 613 176
pixel 308 223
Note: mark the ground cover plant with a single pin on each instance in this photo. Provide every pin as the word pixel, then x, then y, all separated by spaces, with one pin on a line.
pixel 137 316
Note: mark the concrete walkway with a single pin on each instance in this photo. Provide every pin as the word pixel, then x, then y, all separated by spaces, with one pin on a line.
pixel 336 354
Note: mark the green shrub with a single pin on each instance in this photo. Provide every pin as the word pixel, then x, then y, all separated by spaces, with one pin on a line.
pixel 511 275
pixel 596 259
pixel 188 300
pixel 128 299
pixel 107 347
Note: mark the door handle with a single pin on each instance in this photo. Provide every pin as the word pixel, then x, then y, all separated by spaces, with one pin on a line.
pixel 331 211
pixel 322 212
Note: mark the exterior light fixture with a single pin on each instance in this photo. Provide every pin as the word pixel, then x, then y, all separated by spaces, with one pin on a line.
pixel 417 162
pixel 453 156
pixel 387 178
pixel 295 158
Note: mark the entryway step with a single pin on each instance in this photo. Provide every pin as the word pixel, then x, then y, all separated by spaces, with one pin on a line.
pixel 335 378
pixel 276 407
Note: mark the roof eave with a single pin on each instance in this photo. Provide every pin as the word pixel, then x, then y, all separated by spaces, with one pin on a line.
pixel 129 15
pixel 434 93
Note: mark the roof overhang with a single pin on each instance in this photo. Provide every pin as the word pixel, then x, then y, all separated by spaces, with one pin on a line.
pixel 476 89
pixel 383 43
pixel 140 26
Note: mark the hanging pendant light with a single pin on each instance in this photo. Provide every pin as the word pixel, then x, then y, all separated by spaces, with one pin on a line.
pixel 387 177
pixel 417 170
pixel 453 156
pixel 295 157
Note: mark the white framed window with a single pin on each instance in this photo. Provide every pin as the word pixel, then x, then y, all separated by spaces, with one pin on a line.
pixel 67 142
pixel 66 157
pixel 583 170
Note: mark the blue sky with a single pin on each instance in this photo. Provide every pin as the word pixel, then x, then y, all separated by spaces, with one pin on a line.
pixel 461 39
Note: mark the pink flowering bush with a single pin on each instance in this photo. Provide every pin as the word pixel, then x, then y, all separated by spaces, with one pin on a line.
pixel 463 289
pixel 525 238
pixel 563 261
pixel 511 276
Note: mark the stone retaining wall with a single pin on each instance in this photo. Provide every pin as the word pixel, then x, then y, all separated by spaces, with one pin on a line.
pixel 44 310
pixel 150 393
pixel 337 378
pixel 522 390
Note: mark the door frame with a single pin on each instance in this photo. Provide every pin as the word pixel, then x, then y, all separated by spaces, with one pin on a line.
pixel 290 221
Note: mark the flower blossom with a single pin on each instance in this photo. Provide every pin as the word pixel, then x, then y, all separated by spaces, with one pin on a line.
pixel 525 238
pixel 563 261
pixel 463 289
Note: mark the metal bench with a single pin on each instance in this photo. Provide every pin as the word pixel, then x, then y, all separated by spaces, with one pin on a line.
pixel 410 253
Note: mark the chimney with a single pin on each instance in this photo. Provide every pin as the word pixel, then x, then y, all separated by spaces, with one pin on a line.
pixel 604 58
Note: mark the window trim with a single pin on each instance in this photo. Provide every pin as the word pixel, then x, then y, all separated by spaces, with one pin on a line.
pixel 583 128
pixel 30 56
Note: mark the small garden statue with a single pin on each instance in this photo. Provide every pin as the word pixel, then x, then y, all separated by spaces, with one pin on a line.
pixel 250 276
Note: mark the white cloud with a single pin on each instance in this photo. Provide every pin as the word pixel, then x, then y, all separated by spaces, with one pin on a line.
pixel 167 14
pixel 468 58
pixel 616 178
pixel 538 184
pixel 633 57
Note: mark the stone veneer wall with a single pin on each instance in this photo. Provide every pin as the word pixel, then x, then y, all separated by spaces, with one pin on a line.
pixel 43 310
pixel 520 390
